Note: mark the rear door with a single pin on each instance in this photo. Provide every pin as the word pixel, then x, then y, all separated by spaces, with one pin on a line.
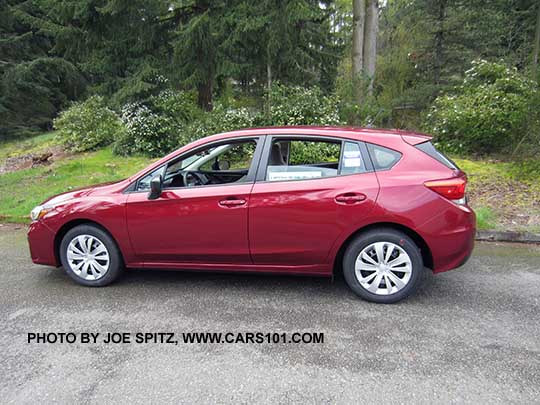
pixel 308 192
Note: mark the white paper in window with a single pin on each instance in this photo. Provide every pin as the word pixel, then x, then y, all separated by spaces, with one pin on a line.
pixel 351 154
pixel 352 162
pixel 284 176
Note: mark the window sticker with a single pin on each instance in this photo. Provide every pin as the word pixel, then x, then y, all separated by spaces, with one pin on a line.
pixel 352 154
pixel 352 162
pixel 284 176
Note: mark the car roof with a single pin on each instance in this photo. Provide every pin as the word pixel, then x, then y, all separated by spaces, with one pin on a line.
pixel 347 131
pixel 373 135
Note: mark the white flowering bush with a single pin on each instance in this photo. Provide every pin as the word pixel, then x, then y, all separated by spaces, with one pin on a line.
pixel 147 133
pixel 172 119
pixel 286 106
pixel 223 119
pixel 490 112
pixel 293 105
pixel 158 126
pixel 88 125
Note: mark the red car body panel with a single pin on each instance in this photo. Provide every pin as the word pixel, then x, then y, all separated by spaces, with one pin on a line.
pixel 297 222
pixel 188 225
pixel 294 227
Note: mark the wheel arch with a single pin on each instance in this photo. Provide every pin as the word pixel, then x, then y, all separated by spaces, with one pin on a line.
pixel 425 251
pixel 72 224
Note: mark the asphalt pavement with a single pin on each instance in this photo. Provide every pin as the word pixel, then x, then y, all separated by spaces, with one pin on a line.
pixel 471 335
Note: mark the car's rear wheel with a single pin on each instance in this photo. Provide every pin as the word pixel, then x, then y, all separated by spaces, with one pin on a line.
pixel 90 256
pixel 383 265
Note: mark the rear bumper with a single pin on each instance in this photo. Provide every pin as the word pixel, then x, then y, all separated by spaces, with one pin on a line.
pixel 41 243
pixel 450 237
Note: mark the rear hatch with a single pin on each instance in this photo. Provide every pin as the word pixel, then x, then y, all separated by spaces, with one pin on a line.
pixel 451 188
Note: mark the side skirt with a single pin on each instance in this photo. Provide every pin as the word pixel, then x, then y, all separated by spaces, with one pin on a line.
pixel 308 270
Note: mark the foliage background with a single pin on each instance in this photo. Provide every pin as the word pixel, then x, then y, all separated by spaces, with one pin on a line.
pixel 139 78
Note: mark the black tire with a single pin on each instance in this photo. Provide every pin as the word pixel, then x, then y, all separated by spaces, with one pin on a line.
pixel 116 264
pixel 383 235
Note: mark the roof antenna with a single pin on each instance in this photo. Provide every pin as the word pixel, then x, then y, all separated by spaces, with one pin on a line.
pixel 370 122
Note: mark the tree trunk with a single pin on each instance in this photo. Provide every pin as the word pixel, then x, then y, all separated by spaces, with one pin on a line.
pixel 359 19
pixel 205 95
pixel 268 72
pixel 370 42
pixel 439 42
pixel 536 46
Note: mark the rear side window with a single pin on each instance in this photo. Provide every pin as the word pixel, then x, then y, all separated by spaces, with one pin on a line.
pixel 383 158
pixel 303 159
pixel 429 149
pixel 299 159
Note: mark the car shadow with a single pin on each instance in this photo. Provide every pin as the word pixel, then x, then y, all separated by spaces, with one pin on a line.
pixel 226 284
pixel 254 282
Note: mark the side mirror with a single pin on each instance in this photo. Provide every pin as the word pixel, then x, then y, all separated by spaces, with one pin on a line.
pixel 155 187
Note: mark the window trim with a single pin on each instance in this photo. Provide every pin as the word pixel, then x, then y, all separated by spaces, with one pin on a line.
pixel 263 165
pixel 250 177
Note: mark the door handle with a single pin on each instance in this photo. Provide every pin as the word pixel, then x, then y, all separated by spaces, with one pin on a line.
pixel 232 203
pixel 350 198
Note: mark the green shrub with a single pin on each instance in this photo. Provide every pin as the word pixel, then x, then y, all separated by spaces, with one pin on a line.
pixel 172 119
pixel 491 111
pixel 223 119
pixel 88 125
pixel 302 153
pixel 293 105
pixel 157 127
pixel 286 106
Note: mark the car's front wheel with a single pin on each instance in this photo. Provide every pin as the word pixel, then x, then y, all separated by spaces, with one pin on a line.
pixel 383 265
pixel 90 256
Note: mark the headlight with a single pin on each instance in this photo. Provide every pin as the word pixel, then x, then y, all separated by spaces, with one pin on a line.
pixel 39 212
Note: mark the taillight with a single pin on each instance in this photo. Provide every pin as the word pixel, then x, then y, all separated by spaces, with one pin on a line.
pixel 453 189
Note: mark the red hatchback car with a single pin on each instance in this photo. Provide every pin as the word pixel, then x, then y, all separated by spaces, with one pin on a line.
pixel 379 205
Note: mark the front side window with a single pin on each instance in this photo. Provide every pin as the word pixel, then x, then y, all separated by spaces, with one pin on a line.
pixel 237 157
pixel 144 183
pixel 221 164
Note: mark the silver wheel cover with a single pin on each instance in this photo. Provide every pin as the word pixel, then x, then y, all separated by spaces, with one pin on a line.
pixel 88 257
pixel 383 268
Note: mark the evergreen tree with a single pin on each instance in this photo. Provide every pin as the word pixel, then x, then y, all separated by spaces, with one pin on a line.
pixel 255 43
pixel 33 85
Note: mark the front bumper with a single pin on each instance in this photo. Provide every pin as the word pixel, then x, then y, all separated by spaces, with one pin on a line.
pixel 41 243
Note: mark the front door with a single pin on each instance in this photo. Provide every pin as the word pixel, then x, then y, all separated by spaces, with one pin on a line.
pixel 202 213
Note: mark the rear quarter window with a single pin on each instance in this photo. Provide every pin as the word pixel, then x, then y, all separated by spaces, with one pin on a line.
pixel 383 158
pixel 430 150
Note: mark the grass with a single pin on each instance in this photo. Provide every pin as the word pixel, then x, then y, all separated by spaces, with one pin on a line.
pixel 505 195
pixel 485 218
pixel 36 144
pixel 21 190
